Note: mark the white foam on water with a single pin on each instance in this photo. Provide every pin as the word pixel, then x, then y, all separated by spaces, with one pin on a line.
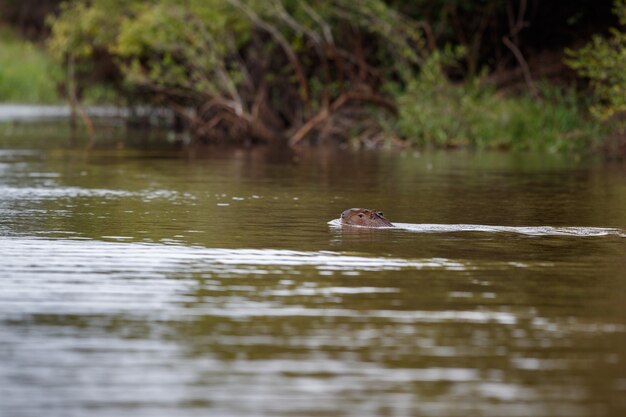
pixel 523 230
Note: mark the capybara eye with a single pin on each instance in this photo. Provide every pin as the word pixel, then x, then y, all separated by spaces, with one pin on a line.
pixel 361 215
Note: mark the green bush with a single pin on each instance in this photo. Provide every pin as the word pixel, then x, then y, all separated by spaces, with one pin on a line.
pixel 242 70
pixel 437 112
pixel 603 61
pixel 26 73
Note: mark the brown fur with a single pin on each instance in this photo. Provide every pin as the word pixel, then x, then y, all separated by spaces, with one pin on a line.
pixel 364 217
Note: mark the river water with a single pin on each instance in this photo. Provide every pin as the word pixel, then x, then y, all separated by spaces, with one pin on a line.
pixel 150 280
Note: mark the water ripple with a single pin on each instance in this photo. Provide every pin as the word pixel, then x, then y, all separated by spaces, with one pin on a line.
pixel 103 257
pixel 523 230
pixel 88 276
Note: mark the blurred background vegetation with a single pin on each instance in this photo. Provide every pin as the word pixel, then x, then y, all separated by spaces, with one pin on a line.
pixel 508 74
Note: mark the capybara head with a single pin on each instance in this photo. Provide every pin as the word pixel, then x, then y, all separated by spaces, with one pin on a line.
pixel 364 217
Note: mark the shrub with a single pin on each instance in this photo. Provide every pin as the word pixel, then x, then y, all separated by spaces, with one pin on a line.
pixel 603 61
pixel 26 73
pixel 434 111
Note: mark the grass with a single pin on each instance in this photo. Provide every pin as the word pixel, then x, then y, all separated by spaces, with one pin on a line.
pixel 27 75
pixel 435 112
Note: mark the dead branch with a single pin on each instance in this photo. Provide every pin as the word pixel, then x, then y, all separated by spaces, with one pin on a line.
pixel 206 48
pixel 284 44
pixel 516 25
pixel 296 26
pixel 337 104
pixel 326 31
pixel 523 65
pixel 304 130
pixel 317 39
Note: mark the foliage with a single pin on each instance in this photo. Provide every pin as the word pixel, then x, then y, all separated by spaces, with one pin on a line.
pixel 434 111
pixel 603 61
pixel 26 73
pixel 290 70
pixel 237 68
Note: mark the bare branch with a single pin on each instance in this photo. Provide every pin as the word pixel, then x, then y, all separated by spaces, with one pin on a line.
pixel 218 68
pixel 291 22
pixel 523 65
pixel 278 37
pixel 341 101
pixel 328 34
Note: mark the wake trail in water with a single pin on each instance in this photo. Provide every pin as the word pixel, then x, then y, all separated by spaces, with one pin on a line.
pixel 523 230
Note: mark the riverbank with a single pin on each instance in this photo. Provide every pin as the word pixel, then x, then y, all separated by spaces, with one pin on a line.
pixel 34 112
pixel 432 111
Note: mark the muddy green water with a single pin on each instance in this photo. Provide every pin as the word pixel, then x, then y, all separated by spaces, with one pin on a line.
pixel 154 281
